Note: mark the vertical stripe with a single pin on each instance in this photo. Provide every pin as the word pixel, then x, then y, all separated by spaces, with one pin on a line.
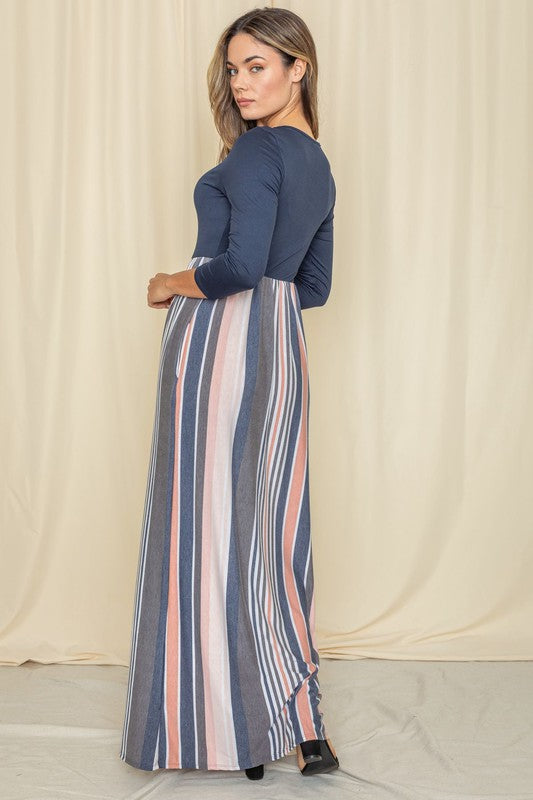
pixel 224 666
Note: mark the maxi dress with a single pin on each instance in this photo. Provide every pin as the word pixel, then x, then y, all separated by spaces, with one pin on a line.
pixel 224 667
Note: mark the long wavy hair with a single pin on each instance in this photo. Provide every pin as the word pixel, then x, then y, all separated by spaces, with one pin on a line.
pixel 290 36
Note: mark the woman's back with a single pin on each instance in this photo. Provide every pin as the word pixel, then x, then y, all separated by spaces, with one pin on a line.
pixel 267 209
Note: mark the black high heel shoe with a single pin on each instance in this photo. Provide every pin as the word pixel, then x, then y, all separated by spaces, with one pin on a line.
pixel 255 773
pixel 316 756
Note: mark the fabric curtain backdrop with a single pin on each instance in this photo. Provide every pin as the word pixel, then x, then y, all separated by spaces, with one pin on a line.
pixel 421 433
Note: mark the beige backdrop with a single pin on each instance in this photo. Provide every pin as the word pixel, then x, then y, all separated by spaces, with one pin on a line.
pixel 421 362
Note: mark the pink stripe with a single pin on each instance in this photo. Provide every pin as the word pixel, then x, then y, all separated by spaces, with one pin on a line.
pixel 207 526
pixel 173 612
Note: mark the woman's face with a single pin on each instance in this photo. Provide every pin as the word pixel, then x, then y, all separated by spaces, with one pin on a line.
pixel 255 72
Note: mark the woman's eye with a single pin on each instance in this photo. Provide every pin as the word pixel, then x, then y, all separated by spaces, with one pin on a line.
pixel 256 66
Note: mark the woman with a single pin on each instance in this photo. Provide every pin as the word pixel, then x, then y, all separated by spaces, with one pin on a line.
pixel 223 671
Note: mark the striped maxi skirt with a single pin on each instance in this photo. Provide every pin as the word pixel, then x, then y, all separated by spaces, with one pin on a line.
pixel 224 668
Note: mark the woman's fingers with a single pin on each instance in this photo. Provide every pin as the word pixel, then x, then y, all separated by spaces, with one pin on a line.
pixel 162 304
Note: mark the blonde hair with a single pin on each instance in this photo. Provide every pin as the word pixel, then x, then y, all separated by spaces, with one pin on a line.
pixel 278 28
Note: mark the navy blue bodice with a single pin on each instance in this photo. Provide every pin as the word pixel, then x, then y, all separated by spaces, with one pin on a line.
pixel 267 210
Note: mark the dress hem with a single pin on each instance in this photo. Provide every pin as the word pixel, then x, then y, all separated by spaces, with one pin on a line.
pixel 227 768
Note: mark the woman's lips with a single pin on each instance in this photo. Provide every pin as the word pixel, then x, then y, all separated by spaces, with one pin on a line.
pixel 244 102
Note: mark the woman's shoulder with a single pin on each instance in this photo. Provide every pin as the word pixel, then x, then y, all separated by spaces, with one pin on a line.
pixel 259 137
pixel 256 150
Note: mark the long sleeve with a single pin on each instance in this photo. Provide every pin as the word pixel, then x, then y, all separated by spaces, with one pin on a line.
pixel 253 174
pixel 313 279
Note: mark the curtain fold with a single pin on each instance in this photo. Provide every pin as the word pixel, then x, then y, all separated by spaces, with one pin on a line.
pixel 421 435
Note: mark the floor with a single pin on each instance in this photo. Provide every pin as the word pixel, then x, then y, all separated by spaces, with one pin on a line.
pixel 428 730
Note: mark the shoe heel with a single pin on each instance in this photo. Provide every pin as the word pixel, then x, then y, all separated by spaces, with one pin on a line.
pixel 311 751
pixel 255 773
pixel 321 757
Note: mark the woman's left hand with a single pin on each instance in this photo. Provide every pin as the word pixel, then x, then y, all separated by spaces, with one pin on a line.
pixel 159 295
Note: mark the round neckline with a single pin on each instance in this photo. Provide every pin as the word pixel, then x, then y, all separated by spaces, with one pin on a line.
pixel 294 128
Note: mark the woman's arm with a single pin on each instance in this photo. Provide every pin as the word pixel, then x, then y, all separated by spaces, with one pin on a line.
pixel 163 286
pixel 313 279
pixel 253 175
pixel 183 283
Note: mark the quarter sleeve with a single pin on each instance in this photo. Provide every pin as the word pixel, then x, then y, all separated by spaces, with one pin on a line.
pixel 253 174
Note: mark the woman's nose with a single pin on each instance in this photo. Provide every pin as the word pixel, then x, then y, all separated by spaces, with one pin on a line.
pixel 239 85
